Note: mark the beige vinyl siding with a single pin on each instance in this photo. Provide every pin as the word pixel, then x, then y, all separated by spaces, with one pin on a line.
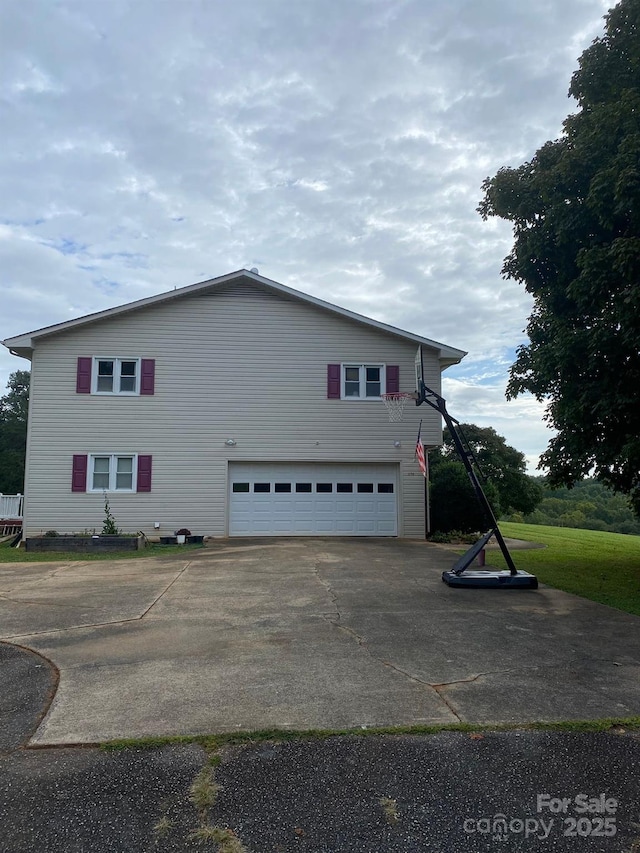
pixel 242 363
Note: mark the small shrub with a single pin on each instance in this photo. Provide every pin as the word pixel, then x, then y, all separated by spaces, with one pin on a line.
pixel 183 532
pixel 109 527
pixel 453 536
pixel 440 538
pixel 52 533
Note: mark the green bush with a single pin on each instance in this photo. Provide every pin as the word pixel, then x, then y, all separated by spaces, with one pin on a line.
pixel 454 505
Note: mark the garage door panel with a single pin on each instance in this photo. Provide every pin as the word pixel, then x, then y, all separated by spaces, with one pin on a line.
pixel 310 498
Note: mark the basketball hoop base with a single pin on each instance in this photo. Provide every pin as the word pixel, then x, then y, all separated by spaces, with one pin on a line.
pixel 476 579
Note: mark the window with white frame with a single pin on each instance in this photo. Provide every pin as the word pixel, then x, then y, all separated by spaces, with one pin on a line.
pixel 116 376
pixel 362 381
pixel 112 472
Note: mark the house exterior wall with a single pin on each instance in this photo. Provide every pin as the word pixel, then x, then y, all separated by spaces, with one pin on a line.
pixel 242 363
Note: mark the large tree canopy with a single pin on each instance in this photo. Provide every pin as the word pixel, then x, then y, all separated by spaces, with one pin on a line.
pixel 508 488
pixel 502 465
pixel 575 209
pixel 14 408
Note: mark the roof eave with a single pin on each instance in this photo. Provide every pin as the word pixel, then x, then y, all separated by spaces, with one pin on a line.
pixel 20 351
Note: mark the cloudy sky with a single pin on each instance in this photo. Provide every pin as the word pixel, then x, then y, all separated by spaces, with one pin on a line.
pixel 337 145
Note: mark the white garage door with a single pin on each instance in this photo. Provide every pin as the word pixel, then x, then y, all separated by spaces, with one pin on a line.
pixel 303 499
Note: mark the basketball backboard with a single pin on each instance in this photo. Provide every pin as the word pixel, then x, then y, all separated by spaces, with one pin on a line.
pixel 419 375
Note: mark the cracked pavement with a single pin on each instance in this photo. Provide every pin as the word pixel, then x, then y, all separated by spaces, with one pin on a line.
pixel 308 633
pixel 454 791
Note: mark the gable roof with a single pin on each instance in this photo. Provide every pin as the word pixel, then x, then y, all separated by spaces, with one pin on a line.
pixel 23 345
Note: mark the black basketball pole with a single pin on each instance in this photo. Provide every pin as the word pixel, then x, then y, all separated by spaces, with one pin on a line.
pixel 426 395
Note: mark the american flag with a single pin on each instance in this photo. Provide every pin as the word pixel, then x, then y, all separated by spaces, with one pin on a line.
pixel 422 462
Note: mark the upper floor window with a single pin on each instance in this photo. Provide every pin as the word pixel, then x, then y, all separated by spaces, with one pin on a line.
pixel 116 375
pixel 110 375
pixel 362 381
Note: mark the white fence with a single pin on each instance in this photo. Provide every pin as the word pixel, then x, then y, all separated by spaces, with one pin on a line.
pixel 11 506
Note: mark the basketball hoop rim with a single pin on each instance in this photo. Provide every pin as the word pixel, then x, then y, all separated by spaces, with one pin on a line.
pixel 395 395
pixel 394 402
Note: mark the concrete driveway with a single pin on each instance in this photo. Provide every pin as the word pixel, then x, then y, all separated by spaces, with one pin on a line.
pixel 308 633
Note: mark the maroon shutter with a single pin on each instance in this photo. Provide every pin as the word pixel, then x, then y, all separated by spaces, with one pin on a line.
pixel 393 379
pixel 144 474
pixel 79 473
pixel 147 375
pixel 333 381
pixel 83 376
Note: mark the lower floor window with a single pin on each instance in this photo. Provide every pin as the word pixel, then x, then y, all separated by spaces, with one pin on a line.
pixel 112 473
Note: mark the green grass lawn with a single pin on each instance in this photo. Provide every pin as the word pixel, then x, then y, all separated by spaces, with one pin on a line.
pixel 604 567
pixel 19 555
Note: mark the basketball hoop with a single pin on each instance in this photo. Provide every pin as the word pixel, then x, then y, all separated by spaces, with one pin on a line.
pixel 395 404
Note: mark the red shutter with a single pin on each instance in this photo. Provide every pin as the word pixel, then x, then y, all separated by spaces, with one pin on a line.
pixel 147 375
pixel 79 473
pixel 83 376
pixel 144 474
pixel 393 379
pixel 333 381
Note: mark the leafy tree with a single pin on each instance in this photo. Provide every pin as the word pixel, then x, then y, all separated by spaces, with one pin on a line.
pixel 501 464
pixel 575 209
pixel 14 408
pixel 508 488
pixel 590 505
pixel 454 505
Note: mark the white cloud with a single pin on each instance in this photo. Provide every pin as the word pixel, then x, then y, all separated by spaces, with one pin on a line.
pixel 338 146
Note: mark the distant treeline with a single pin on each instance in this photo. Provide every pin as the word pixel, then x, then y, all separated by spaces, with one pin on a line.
pixel 588 505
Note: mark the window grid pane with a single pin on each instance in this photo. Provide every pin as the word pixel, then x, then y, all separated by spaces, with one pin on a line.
pixel 128 376
pixel 101 466
pixel 373 386
pixel 101 481
pixel 373 389
pixel 124 481
pixel 352 382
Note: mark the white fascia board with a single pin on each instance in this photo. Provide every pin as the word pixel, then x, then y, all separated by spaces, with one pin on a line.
pixel 23 344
